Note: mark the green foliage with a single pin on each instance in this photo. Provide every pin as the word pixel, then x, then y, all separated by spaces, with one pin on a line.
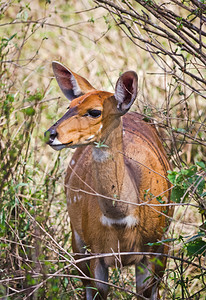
pixel 162 242
pixel 117 277
pixel 187 180
pixel 26 194
pixel 196 247
pixel 35 236
pixel 100 144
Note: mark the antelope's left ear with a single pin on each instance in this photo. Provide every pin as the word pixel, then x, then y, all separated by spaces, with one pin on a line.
pixel 126 91
pixel 71 84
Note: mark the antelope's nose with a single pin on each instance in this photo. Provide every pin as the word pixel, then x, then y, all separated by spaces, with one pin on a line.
pixel 50 135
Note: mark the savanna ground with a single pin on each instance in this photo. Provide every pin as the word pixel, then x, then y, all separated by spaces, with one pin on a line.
pixel 35 239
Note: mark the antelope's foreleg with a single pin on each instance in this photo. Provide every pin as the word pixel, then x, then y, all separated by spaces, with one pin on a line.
pixel 147 281
pixel 99 271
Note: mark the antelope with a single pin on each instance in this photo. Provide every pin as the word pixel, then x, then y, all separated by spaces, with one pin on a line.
pixel 113 182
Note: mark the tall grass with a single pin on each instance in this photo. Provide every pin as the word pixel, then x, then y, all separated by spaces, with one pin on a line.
pixel 35 239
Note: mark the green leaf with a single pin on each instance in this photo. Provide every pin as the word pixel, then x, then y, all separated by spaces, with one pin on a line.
pixel 30 111
pixel 201 184
pixel 161 242
pixel 189 172
pixel 200 164
pixel 46 136
pixel 196 236
pixel 159 199
pixel 182 130
pixel 172 176
pixel 147 278
pixel 196 247
pixel 100 144
pixel 177 194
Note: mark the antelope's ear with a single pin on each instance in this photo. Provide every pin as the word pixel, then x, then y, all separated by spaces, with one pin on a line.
pixel 71 84
pixel 126 91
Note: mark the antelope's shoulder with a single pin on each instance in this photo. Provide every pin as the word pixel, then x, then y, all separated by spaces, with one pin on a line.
pixel 139 132
pixel 142 143
pixel 136 125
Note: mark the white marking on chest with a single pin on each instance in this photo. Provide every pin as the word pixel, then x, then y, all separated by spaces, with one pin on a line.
pixel 72 162
pixel 129 221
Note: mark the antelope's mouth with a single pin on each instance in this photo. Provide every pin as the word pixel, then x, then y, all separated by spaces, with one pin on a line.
pixel 59 146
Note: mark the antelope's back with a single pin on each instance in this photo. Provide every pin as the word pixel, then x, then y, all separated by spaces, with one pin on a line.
pixel 143 136
pixel 147 161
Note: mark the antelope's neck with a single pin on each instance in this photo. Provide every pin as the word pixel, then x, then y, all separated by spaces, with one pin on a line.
pixel 110 175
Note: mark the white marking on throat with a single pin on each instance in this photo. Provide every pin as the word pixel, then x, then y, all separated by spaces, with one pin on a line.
pixel 129 221
pixel 100 154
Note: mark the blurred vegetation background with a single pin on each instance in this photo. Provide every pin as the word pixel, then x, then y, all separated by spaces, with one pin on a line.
pixel 35 240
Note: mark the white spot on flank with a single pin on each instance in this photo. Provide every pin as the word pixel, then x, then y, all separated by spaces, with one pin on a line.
pixel 74 199
pixel 72 162
pixel 79 197
pixel 129 221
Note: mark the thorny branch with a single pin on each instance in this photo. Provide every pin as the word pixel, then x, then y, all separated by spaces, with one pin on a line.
pixel 160 30
pixel 177 45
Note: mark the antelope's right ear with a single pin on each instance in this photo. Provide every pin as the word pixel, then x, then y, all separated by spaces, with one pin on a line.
pixel 126 91
pixel 71 84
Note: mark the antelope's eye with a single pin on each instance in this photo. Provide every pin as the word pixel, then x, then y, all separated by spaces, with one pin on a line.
pixel 94 113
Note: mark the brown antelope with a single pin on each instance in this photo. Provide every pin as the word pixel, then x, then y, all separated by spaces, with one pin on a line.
pixel 113 181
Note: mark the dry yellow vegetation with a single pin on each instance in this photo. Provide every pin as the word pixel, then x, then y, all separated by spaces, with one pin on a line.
pixel 35 239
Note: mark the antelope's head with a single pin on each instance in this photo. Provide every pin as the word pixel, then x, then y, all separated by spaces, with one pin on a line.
pixel 92 114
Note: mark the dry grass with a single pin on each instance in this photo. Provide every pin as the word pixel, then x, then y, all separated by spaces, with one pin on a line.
pixel 86 40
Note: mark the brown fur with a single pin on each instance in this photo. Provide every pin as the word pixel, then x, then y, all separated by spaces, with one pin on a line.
pixel 151 221
pixel 143 153
pixel 111 182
